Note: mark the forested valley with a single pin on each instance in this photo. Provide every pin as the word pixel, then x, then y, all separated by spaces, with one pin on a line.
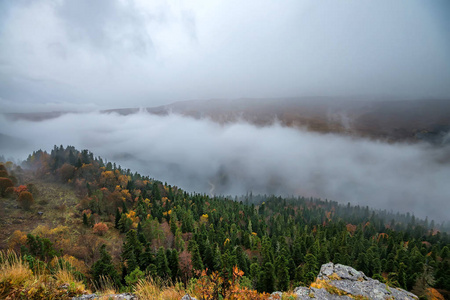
pixel 83 220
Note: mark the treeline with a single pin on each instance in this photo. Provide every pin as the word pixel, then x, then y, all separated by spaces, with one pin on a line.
pixel 279 243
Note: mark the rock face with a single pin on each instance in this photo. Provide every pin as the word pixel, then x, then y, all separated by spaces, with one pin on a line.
pixel 343 282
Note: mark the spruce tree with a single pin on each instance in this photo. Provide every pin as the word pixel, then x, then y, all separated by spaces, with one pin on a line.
pixel 162 264
pixel 104 267
pixel 266 282
pixel 282 273
pixel 117 219
pixel 85 220
pixel 197 262
pixel 132 250
pixel 174 264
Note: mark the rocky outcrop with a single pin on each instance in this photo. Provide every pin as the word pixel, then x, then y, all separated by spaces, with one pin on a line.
pixel 334 282
pixel 125 296
pixel 343 282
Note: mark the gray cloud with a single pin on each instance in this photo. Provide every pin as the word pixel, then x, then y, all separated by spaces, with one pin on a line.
pixel 237 158
pixel 138 53
pixel 106 25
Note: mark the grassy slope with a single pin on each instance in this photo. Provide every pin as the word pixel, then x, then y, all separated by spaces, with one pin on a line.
pixel 58 203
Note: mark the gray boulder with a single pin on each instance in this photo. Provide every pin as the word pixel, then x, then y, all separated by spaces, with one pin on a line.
pixel 276 296
pixel 188 297
pixel 344 282
pixel 124 296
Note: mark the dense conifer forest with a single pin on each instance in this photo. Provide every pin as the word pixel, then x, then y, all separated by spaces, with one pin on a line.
pixel 121 227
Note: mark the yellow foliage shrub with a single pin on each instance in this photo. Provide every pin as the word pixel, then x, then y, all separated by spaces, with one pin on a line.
pixel 17 239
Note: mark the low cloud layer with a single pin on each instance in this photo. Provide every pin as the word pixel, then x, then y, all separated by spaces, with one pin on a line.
pixel 202 156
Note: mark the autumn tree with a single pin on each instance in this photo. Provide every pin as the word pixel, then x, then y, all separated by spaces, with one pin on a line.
pixel 66 172
pixel 185 266
pixel 4 184
pixel 100 228
pixel 25 200
pixel 3 171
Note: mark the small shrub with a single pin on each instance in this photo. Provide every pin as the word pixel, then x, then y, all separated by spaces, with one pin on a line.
pixel 4 184
pixel 25 200
pixel 134 277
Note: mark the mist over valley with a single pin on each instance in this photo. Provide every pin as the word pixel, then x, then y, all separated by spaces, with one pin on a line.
pixel 204 153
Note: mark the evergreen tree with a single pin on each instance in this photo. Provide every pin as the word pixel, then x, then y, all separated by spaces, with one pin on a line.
pixel 104 267
pixel 132 249
pixel 162 264
pixel 266 282
pixel 254 274
pixel 282 273
pixel 117 219
pixel 197 262
pixel 85 220
pixel 174 264
pixel 156 194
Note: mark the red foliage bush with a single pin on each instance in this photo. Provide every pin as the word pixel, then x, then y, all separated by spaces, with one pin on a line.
pixel 20 189
pixel 100 228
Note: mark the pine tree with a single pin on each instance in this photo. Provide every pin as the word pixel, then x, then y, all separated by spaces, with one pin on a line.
pixel 162 264
pixel 197 262
pixel 104 267
pixel 132 250
pixel 174 264
pixel 282 273
pixel 147 257
pixel 266 282
pixel 117 219
pixel 156 195
pixel 254 274
pixel 85 220
pixel 242 260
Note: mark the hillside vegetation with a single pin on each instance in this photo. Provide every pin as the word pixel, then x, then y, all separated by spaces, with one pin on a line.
pixel 73 223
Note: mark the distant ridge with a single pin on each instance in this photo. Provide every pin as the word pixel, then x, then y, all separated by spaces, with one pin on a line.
pixel 384 119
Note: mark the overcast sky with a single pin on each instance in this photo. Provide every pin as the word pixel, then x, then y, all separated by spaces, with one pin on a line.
pixel 117 53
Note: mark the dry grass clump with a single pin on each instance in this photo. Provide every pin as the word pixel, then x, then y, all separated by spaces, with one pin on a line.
pixel 18 281
pixel 106 286
pixel 13 272
pixel 325 284
pixel 149 288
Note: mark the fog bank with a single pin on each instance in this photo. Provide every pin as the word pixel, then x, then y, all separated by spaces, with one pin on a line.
pixel 202 156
